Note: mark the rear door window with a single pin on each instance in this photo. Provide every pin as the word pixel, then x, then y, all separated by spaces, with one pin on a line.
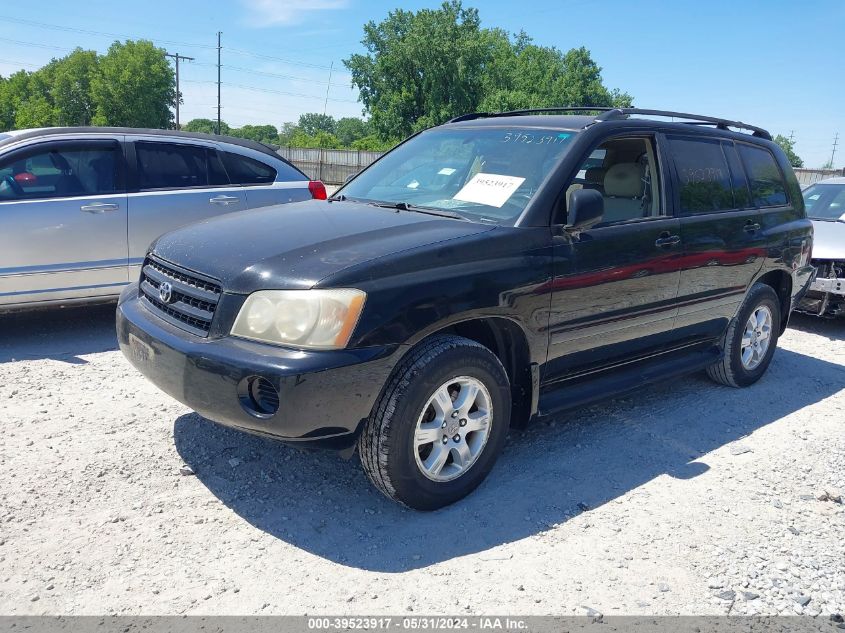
pixel 175 166
pixel 704 178
pixel 764 175
pixel 62 169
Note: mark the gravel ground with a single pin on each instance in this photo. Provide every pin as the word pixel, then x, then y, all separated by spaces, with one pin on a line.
pixel 686 498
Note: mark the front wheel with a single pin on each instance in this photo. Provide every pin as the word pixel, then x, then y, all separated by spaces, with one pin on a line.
pixel 439 425
pixel 750 340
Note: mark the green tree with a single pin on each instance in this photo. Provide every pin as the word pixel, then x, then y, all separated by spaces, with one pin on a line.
pixel 25 102
pixel 350 129
pixel 70 87
pixel 206 126
pixel 421 68
pixel 134 86
pixel 373 143
pixel 788 148
pixel 36 111
pixel 312 122
pixel 321 139
pixel 426 67
pixel 7 113
pixel 260 133
pixel 287 133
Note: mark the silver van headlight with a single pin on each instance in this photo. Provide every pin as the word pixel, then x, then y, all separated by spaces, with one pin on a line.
pixel 317 319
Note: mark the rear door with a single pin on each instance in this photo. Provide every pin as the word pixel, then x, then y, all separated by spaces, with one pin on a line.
pixel 265 180
pixel 721 229
pixel 62 221
pixel 175 183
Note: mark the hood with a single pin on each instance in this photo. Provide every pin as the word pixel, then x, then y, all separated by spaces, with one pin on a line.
pixel 828 240
pixel 296 245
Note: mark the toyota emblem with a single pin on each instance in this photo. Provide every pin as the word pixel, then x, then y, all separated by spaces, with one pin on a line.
pixel 165 292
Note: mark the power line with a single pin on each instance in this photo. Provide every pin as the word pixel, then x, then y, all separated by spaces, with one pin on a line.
pixel 71 29
pixel 36 44
pixel 238 51
pixel 264 73
pixel 240 69
pixel 267 90
pixel 11 61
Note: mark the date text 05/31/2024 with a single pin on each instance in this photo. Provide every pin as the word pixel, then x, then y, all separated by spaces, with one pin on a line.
pixel 479 623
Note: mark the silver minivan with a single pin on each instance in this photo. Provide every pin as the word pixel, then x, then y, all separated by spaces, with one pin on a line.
pixel 80 206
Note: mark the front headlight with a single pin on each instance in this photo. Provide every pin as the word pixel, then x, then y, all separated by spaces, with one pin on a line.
pixel 319 319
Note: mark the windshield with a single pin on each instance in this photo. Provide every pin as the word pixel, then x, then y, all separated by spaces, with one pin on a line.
pixel 482 174
pixel 825 202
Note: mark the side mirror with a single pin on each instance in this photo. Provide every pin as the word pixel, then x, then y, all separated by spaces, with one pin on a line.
pixel 586 208
pixel 350 177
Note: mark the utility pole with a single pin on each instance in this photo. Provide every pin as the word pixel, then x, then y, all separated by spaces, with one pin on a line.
pixel 219 33
pixel 792 136
pixel 177 57
pixel 833 153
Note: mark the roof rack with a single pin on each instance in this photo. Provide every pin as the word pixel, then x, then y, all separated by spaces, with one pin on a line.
pixel 609 114
pixel 693 119
pixel 485 115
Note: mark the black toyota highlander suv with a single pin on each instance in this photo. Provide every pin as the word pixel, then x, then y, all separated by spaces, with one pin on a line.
pixel 495 269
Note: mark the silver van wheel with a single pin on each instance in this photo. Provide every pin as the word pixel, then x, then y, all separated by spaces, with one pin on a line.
pixel 756 337
pixel 453 428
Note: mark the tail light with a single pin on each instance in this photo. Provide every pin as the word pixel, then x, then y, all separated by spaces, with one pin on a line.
pixel 317 189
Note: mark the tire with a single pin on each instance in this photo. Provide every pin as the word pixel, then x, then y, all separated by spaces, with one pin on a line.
pixel 731 370
pixel 408 412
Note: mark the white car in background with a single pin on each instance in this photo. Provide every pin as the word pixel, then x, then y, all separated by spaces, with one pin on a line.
pixel 825 203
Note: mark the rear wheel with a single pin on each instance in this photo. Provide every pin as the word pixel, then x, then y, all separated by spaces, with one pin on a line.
pixel 439 425
pixel 750 340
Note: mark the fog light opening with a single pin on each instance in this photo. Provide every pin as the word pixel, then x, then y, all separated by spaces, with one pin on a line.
pixel 259 397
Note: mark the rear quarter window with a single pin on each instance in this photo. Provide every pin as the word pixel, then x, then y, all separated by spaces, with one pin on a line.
pixel 764 176
pixel 244 170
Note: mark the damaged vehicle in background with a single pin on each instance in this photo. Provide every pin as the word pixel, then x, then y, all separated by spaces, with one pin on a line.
pixel 825 203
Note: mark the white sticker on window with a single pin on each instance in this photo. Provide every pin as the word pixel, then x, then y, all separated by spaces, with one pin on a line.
pixel 447 171
pixel 490 189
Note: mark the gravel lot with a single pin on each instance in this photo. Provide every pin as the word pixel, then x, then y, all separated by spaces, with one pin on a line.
pixel 687 498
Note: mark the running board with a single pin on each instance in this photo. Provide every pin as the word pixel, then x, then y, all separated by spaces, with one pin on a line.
pixel 584 389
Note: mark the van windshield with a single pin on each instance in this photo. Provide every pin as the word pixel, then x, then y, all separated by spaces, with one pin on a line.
pixel 482 174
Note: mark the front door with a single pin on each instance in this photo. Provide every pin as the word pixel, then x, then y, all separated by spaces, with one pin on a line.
pixel 62 221
pixel 616 284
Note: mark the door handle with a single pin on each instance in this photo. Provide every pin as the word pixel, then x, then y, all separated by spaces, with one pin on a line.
pixel 666 240
pixel 99 207
pixel 751 227
pixel 224 200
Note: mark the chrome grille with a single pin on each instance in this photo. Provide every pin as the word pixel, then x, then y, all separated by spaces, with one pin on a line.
pixel 192 299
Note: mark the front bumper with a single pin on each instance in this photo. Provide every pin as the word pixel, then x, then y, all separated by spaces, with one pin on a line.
pixel 324 396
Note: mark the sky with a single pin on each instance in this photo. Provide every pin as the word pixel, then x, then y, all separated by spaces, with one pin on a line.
pixel 776 64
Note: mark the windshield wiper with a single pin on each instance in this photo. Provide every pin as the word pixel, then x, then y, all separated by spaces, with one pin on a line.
pixel 404 206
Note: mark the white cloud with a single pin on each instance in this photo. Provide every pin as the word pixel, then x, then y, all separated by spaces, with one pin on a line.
pixel 277 12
